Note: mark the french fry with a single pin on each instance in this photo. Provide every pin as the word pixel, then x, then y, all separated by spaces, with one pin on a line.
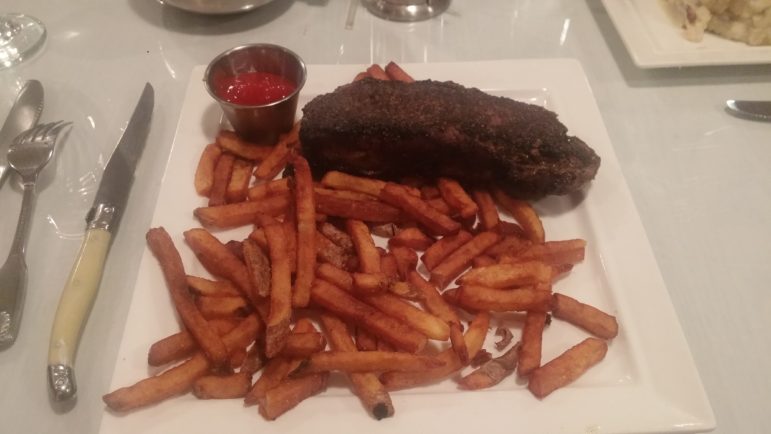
pixel 418 209
pixel 252 363
pixel 239 181
pixel 236 248
pixel 370 283
pixel 488 212
pixel 406 260
pixel 299 345
pixel 258 266
pixel 585 316
pixel 460 259
pixel 373 211
pixel 482 261
pixel 508 275
pixel 369 258
pixel 492 372
pixel 405 290
pixel 475 337
pixel 389 266
pixel 443 248
pixel 180 378
pixel 365 384
pixel 364 340
pixel 182 344
pixel 306 233
pixel 216 258
pixel 455 196
pixel 509 245
pixel 342 194
pixel 479 298
pixel 241 213
pixel 331 253
pixel 369 361
pixel 396 73
pixel 290 393
pixel 424 322
pixel 339 302
pixel 440 205
pixel 413 238
pixel 567 367
pixel 428 192
pixel 211 288
pixel 376 71
pixel 222 387
pixel 344 181
pixel 229 141
pixel 523 213
pixel 222 307
pixel 335 276
pixel 530 345
pixel 204 173
pixel 222 172
pixel 337 236
pixel 281 153
pixel 160 243
pixel 507 228
pixel 551 252
pixel 269 188
pixel 277 325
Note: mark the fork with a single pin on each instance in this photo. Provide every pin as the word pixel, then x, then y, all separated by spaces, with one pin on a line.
pixel 28 155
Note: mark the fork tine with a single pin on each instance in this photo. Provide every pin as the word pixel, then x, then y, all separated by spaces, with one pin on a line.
pixel 58 127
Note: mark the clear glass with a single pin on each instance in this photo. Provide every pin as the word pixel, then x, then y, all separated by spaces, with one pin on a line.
pixel 20 37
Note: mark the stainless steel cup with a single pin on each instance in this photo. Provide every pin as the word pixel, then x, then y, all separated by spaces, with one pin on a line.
pixel 260 124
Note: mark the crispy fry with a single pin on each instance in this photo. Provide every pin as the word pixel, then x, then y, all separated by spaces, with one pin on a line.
pixel 229 141
pixel 413 238
pixel 506 337
pixel 281 153
pixel 335 276
pixel 567 367
pixel 236 248
pixel 440 205
pixel 492 372
pixel 508 228
pixel 182 345
pixel 383 326
pixel 369 361
pixel 443 248
pixel 389 266
pixel 376 71
pixel 306 233
pixel 364 340
pixel 428 192
pixel 405 290
pixel 289 393
pixel 269 188
pixel 424 322
pixel 216 258
pixel 239 181
pixel 585 316
pixel 289 227
pixel 211 288
pixel 222 387
pixel 180 378
pixel 365 384
pixel 342 194
pixel 206 337
pixel 331 253
pixel 551 252
pixel 482 261
pixel 370 283
pixel 204 173
pixel 252 363
pixel 300 345
pixel 337 236
pixel 280 291
pixel 524 214
pixel 455 196
pixel 223 307
pixel 418 209
pixel 459 260
pixel 373 211
pixel 508 275
pixel 258 267
pixel 530 348
pixel 369 258
pixel 475 337
pixel 499 300
pixel 488 212
pixel 222 171
pixel 396 73
pixel 242 213
pixel 507 246
pixel 406 260
pixel 369 186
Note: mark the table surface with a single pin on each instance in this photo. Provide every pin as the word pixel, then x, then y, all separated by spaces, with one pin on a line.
pixel 699 178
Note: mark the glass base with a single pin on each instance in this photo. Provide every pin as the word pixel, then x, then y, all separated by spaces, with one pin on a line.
pixel 21 36
pixel 406 10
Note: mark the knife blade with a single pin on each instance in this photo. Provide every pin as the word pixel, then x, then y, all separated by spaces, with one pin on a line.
pixel 101 222
pixel 753 110
pixel 24 114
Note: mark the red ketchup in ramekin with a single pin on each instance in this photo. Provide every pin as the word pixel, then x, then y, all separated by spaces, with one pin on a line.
pixel 254 88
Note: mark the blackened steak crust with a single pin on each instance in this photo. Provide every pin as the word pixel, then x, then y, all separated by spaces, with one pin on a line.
pixel 390 129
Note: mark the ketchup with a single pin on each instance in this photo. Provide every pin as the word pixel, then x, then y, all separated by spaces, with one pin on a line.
pixel 254 88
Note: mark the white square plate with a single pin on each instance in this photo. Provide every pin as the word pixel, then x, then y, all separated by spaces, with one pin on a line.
pixel 647 382
pixel 655 40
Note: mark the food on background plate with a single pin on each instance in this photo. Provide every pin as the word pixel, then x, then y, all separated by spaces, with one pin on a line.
pixel 739 20
pixel 311 254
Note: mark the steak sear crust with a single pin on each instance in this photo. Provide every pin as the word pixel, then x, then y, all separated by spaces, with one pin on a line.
pixel 391 129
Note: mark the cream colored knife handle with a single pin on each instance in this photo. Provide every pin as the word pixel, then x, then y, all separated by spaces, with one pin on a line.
pixel 74 306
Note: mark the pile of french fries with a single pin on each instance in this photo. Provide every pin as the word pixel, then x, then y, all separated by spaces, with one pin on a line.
pixel 312 260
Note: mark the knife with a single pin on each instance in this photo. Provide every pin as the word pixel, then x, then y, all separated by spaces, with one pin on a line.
pixel 23 115
pixel 753 110
pixel 101 222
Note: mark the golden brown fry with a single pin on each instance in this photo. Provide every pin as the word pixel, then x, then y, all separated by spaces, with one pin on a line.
pixel 364 340
pixel 460 259
pixel 508 275
pixel 413 238
pixel 204 173
pixel 524 214
pixel 499 300
pixel 507 246
pixel 488 212
pixel 443 248
pixel 280 314
pixel 369 361
pixel 258 266
pixel 406 260
pixel 211 288
pixel 389 266
pixel 206 337
pixel 216 258
pixel 331 253
pixel 335 276
pixel 396 73
pixel 289 393
pixel 337 236
pixel 223 307
pixel 585 316
pixel 475 338
pixel 239 181
pixel 222 387
pixel 339 302
pixel 222 171
pixel 376 71
pixel 492 372
pixel 424 322
pixel 567 367
pixel 180 378
pixel 455 196
pixel 269 188
pixel 182 345
pixel 366 210
pixel 507 228
pixel 530 345
pixel 242 213
pixel 275 162
pixel 418 209
pixel 300 345
pixel 369 258
pixel 306 233
pixel 482 261
pixel 550 252
pixel 366 385
pixel 290 236
pixel 344 181
pixel 370 283
pixel 229 141
pixel 253 362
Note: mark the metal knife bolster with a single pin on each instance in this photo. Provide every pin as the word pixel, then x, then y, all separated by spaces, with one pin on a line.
pixel 103 216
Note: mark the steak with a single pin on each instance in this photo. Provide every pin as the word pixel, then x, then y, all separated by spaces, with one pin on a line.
pixel 391 129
